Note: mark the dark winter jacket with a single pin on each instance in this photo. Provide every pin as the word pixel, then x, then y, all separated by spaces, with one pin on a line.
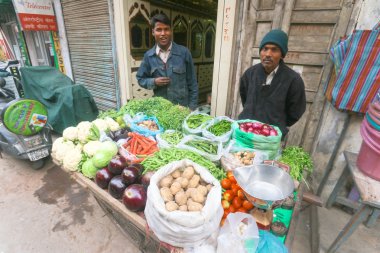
pixel 282 103
pixel 183 87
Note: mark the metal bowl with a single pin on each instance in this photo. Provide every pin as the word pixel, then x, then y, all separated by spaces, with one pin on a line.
pixel 264 185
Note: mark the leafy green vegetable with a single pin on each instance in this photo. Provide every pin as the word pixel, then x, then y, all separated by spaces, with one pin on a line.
pixel 167 155
pixel 196 120
pixel 169 116
pixel 298 160
pixel 101 158
pixel 88 169
pixel 108 147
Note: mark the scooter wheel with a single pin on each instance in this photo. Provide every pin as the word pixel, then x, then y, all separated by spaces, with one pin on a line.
pixel 39 164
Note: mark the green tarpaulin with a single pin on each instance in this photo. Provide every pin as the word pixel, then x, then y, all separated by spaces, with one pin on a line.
pixel 67 103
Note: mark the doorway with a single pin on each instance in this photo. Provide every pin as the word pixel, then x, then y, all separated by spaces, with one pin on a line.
pixel 193 25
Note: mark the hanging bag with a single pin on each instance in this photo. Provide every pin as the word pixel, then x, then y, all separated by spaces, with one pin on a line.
pixel 357 66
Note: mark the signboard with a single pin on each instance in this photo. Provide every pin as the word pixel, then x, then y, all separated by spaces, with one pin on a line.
pixel 36 15
pixel 58 58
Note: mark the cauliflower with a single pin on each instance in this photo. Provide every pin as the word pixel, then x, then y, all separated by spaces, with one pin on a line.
pixel 112 124
pixel 72 159
pixel 61 149
pixel 91 147
pixel 87 132
pixel 70 133
pixel 56 144
pixel 101 124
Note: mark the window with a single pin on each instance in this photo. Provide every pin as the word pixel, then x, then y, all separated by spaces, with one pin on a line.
pixel 209 42
pixel 196 39
pixel 180 28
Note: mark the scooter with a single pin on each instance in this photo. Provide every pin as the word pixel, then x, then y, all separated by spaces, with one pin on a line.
pixel 24 132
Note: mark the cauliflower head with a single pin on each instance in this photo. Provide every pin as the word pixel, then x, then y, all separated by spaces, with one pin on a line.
pixel 101 124
pixel 112 124
pixel 87 131
pixel 72 160
pixel 91 147
pixel 61 149
pixel 70 133
pixel 56 144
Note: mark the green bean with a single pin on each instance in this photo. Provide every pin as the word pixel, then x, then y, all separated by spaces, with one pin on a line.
pixel 220 128
pixel 196 120
pixel 172 137
pixel 205 146
pixel 167 155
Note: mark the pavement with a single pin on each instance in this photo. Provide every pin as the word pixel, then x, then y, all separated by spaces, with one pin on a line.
pixel 46 211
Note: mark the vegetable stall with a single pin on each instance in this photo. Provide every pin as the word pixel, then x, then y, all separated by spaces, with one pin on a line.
pixel 157 168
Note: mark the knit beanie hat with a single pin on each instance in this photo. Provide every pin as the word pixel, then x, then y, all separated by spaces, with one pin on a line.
pixel 277 37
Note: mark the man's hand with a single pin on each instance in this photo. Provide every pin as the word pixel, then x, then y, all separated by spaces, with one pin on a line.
pixel 161 81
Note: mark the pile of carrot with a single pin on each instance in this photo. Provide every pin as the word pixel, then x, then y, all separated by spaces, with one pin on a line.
pixel 140 145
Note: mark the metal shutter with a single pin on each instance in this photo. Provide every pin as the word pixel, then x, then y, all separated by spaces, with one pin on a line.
pixel 90 35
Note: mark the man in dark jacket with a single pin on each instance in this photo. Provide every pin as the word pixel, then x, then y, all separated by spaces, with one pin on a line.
pixel 270 91
pixel 168 68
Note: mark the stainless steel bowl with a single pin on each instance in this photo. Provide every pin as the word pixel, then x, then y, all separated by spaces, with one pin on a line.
pixel 264 185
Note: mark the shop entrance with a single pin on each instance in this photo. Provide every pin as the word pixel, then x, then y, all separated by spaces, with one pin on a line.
pixel 194 26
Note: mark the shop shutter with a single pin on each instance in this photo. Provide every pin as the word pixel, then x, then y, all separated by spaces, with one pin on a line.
pixel 90 35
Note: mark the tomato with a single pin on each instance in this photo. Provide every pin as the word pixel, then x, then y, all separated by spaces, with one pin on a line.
pixel 237 202
pixel 228 195
pixel 231 177
pixel 226 183
pixel 235 188
pixel 232 209
pixel 222 222
pixel 247 205
pixel 225 213
pixel 225 204
pixel 240 194
pixel 242 210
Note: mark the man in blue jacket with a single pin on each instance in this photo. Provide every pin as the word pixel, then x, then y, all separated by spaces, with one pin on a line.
pixel 168 68
pixel 270 91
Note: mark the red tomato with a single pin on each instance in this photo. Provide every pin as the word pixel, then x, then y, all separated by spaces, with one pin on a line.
pixel 247 205
pixel 240 194
pixel 237 202
pixel 222 222
pixel 228 195
pixel 225 213
pixel 235 188
pixel 226 183
pixel 242 210
pixel 232 209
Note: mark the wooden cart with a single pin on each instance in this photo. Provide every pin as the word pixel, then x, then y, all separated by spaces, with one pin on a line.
pixel 135 226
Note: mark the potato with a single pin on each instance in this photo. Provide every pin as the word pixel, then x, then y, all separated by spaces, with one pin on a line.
pixel 175 187
pixel 188 191
pixel 194 181
pixel 188 172
pixel 183 208
pixel 183 181
pixel 166 181
pixel 176 174
pixel 209 186
pixel 166 194
pixel 171 206
pixel 180 198
pixel 194 206
pixel 202 189
pixel 197 196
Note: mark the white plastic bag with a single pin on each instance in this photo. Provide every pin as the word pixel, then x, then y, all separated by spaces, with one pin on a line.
pixel 198 130
pixel 239 234
pixel 162 143
pixel 230 162
pixel 223 138
pixel 178 228
pixel 210 156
